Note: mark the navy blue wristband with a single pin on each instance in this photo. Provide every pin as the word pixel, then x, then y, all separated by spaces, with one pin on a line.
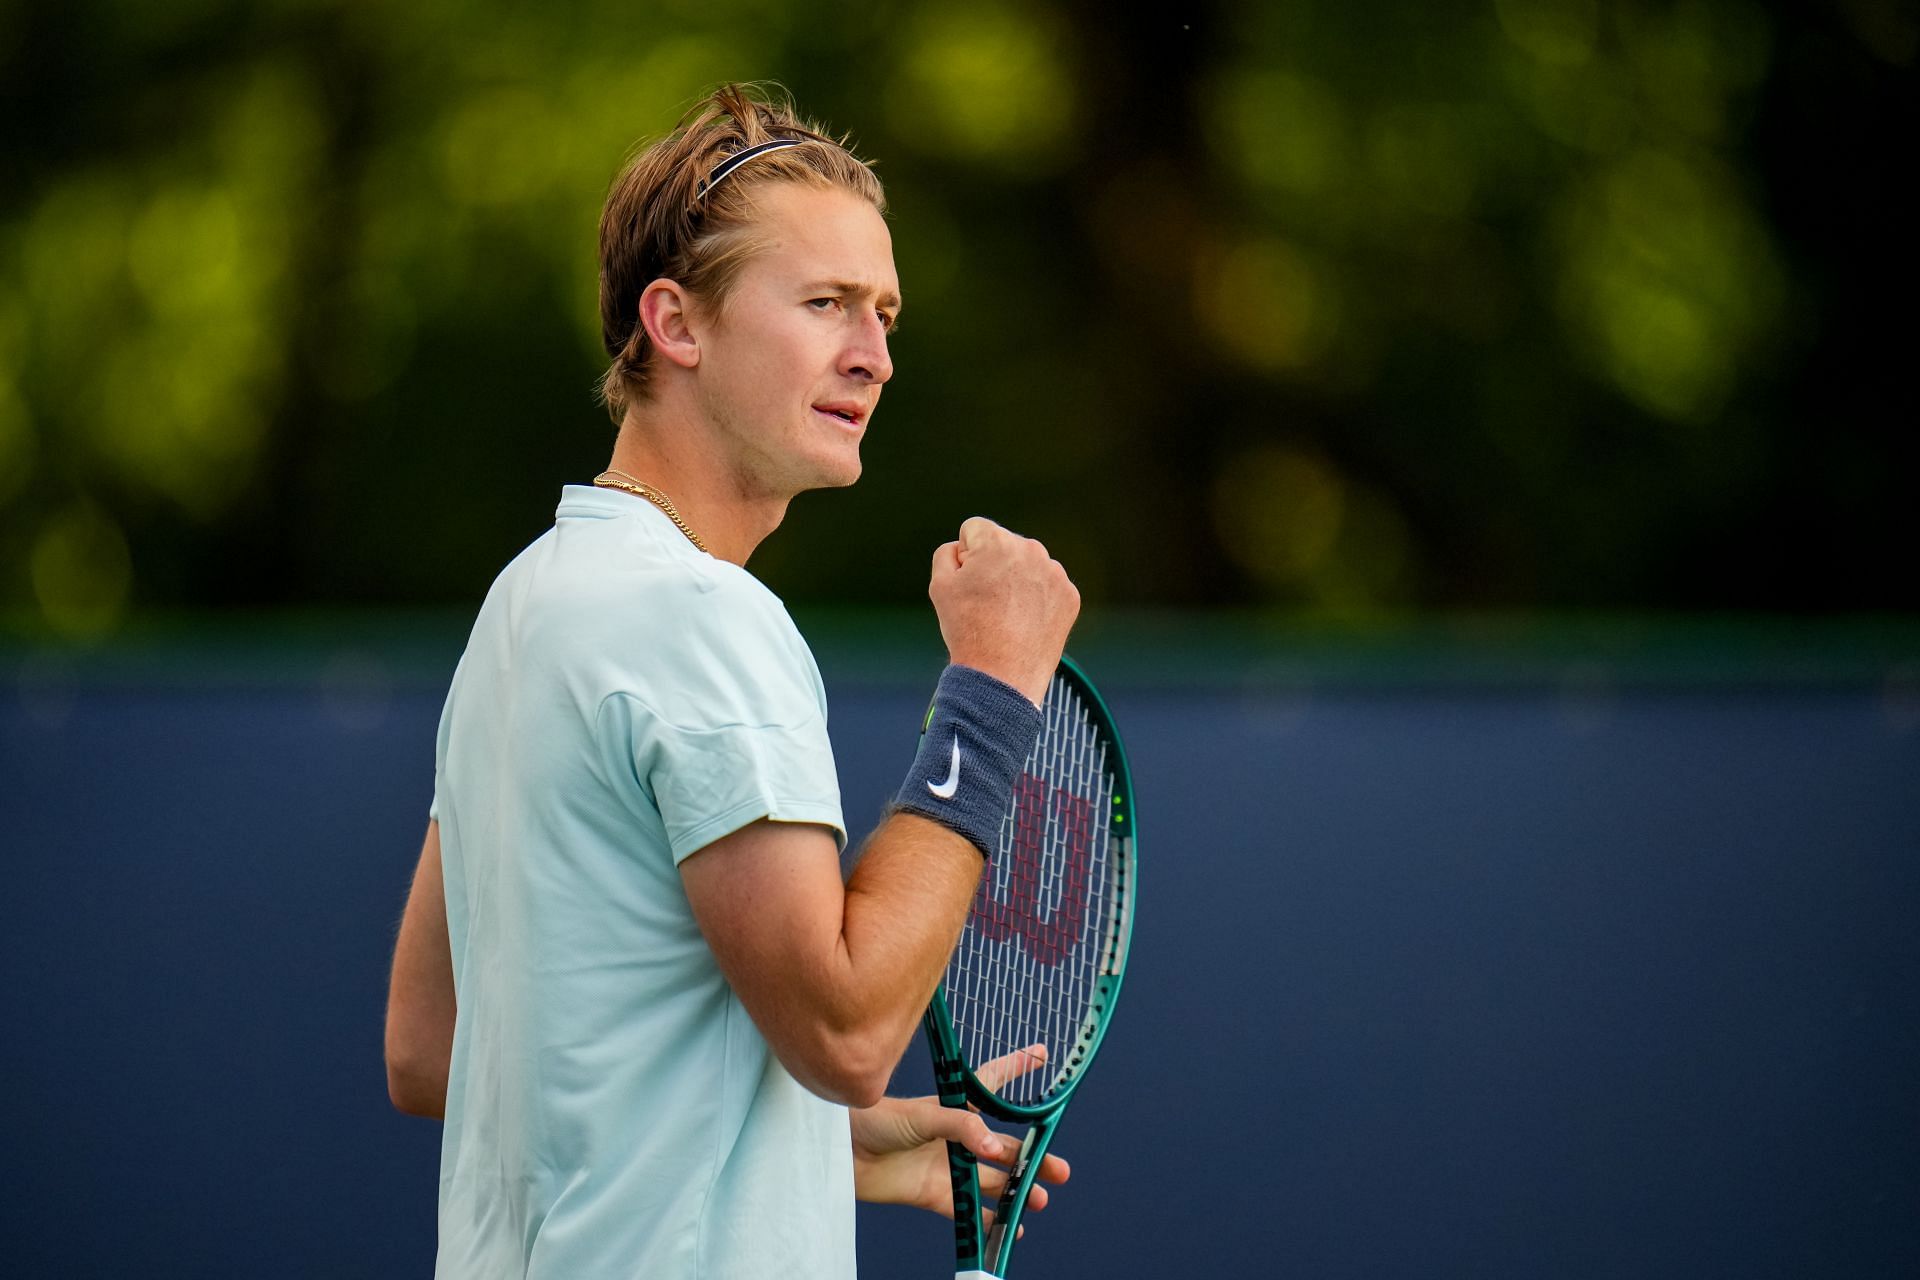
pixel 979 733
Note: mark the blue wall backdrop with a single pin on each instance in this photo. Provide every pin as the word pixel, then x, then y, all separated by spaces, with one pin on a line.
pixel 1578 980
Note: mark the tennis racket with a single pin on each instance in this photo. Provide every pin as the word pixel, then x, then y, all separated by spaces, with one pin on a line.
pixel 1042 954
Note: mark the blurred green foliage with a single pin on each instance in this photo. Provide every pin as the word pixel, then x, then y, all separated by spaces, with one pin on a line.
pixel 1346 309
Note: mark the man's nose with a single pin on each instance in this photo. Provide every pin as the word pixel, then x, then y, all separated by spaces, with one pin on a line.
pixel 866 356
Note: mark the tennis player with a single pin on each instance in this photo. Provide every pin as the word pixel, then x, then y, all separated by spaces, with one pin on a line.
pixel 657 1021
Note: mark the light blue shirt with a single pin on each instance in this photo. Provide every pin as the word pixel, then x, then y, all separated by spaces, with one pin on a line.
pixel 623 701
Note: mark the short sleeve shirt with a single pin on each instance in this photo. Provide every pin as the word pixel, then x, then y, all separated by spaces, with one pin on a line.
pixel 624 700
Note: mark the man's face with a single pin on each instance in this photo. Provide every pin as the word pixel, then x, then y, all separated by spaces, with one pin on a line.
pixel 792 370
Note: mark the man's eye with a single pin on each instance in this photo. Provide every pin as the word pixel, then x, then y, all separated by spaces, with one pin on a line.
pixel 824 303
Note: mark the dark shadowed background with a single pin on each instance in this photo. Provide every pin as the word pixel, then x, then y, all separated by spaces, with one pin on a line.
pixel 1346 308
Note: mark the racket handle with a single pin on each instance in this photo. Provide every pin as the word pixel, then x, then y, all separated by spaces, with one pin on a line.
pixel 1013 1199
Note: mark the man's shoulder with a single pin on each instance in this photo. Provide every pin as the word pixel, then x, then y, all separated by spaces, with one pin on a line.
pixel 682 622
pixel 586 588
pixel 704 601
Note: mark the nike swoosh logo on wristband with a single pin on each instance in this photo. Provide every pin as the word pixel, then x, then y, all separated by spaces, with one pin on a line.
pixel 945 790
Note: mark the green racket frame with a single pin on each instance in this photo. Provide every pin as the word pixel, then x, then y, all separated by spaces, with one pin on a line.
pixel 986 1253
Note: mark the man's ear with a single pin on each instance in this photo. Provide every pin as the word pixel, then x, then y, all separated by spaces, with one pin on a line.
pixel 665 309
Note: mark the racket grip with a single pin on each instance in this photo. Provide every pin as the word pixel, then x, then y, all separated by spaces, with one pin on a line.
pixel 966 1201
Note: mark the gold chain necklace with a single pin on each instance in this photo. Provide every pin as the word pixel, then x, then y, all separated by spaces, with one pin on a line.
pixel 613 479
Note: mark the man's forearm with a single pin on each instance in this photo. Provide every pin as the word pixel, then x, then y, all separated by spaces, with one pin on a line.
pixel 905 906
pixel 833 972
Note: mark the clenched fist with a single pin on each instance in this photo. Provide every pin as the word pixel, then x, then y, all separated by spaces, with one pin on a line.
pixel 1005 606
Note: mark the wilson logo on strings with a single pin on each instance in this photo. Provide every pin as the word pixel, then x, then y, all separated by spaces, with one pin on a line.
pixel 1021 885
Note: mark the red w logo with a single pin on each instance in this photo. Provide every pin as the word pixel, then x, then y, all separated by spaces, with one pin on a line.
pixel 1038 806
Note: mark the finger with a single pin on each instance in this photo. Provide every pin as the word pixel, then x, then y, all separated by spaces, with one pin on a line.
pixel 1055 1170
pixel 993 1185
pixel 1052 1169
pixel 1009 1066
pixel 976 532
pixel 987 1216
pixel 946 558
pixel 986 1223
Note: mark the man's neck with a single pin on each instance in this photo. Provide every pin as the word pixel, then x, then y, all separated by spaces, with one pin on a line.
pixel 678 458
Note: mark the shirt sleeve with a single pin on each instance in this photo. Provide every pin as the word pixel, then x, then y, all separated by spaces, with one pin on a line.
pixel 728 726
pixel 440 738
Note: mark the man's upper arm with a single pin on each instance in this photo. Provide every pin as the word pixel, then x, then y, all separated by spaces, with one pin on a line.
pixel 770 902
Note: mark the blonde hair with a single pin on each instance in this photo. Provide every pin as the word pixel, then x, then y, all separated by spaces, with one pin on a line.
pixel 663 219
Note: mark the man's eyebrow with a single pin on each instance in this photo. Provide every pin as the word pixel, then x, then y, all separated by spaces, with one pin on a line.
pixel 888 299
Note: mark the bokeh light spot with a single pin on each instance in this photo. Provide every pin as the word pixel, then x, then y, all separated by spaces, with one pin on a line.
pixel 1272 306
pixel 16 440
pixel 82 572
pixel 1371 564
pixel 1586 107
pixel 1691 60
pixel 1889 29
pixel 1418 159
pixel 495 150
pixel 1278 511
pixel 990 83
pixel 1668 281
pixel 184 251
pixel 1560 33
pixel 1278 129
pixel 272 132
pixel 1900 698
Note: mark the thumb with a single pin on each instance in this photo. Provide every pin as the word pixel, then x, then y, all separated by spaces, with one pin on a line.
pixel 950 1124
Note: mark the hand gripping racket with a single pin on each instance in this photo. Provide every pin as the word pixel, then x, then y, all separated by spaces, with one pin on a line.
pixel 1042 954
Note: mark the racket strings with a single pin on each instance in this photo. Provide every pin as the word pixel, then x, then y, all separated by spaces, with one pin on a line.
pixel 1039 938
